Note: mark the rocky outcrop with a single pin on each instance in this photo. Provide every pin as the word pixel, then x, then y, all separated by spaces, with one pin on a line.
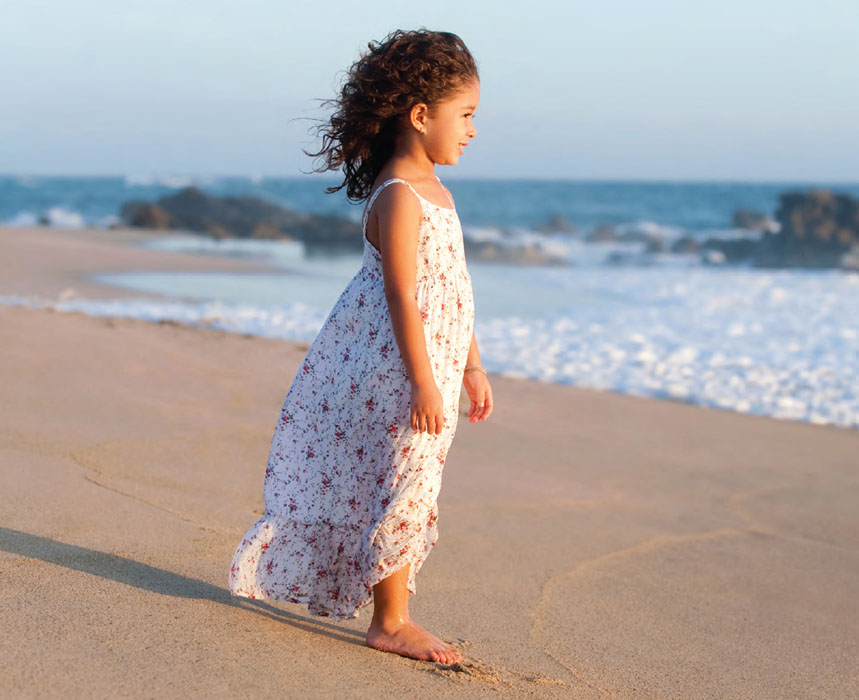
pixel 606 233
pixel 252 217
pixel 602 233
pixel 146 215
pixel 241 217
pixel 557 223
pixel 817 229
pixel 685 245
pixel 733 250
pixel 754 221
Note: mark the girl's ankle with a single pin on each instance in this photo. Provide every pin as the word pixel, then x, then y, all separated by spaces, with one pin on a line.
pixel 389 625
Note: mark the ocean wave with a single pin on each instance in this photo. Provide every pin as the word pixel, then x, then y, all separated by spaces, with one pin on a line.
pixel 776 344
pixel 651 229
pixel 297 322
pixel 281 253
pixel 60 217
pixel 173 182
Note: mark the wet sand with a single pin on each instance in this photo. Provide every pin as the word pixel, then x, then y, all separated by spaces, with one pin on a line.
pixel 592 545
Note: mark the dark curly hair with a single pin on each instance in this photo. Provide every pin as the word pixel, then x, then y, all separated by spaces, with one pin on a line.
pixel 405 68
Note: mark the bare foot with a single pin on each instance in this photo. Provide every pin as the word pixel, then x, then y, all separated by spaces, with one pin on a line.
pixel 453 652
pixel 408 639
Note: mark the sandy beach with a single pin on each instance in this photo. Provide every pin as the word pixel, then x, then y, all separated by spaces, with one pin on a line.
pixel 591 545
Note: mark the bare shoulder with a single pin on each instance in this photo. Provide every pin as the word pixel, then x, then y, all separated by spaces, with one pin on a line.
pixel 399 214
pixel 397 204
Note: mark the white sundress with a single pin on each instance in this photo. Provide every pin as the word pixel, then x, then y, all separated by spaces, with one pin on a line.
pixel 350 488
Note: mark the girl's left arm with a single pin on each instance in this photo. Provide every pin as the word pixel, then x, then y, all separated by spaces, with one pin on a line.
pixel 473 352
pixel 477 386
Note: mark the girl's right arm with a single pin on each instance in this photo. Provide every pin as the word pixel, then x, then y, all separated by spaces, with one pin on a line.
pixel 398 213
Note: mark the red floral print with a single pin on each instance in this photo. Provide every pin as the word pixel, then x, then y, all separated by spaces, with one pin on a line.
pixel 350 488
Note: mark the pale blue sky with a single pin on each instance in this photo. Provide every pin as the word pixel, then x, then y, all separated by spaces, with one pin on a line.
pixel 617 89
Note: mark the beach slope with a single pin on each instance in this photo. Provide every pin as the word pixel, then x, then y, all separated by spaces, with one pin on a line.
pixel 592 545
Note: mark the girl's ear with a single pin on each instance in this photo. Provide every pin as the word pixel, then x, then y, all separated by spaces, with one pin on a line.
pixel 418 117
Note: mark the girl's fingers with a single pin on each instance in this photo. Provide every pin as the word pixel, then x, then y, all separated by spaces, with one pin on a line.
pixel 427 420
pixel 476 410
pixel 487 407
pixel 427 423
pixel 482 407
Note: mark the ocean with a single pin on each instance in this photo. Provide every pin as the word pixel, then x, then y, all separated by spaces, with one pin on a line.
pixel 614 317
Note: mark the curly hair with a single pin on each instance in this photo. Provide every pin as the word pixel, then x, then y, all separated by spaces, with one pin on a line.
pixel 405 68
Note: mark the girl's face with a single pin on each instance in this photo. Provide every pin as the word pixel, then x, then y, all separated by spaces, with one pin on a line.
pixel 450 129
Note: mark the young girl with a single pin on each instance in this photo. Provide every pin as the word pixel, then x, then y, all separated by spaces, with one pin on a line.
pixel 357 455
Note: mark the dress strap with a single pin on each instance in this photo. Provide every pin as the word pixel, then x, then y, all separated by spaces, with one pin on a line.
pixel 376 194
pixel 447 194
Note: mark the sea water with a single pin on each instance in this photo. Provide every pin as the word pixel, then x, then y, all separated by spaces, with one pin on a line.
pixel 780 343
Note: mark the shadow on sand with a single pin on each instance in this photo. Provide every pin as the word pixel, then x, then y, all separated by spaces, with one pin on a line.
pixel 155 580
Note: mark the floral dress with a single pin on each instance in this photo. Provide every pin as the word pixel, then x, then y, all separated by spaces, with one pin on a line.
pixel 350 488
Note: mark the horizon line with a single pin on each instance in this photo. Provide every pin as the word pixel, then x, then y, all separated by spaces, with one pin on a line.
pixel 480 178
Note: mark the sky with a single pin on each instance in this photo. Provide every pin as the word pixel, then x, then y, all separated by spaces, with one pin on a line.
pixel 737 90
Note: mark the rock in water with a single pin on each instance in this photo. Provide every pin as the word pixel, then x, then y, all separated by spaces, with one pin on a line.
pixel 241 217
pixel 557 223
pixel 754 221
pixel 145 215
pixel 817 229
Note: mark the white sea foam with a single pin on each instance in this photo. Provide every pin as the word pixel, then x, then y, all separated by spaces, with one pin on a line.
pixel 22 218
pixel 781 344
pixel 167 180
pixel 297 321
pixel 576 250
pixel 483 233
pixel 61 217
pixel 650 228
pixel 58 217
pixel 775 343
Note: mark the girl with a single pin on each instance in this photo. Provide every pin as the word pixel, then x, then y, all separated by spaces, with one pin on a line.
pixel 356 459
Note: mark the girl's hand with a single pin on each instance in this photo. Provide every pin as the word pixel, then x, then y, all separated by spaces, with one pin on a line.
pixel 478 389
pixel 427 408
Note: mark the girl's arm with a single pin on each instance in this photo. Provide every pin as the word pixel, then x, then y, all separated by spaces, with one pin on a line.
pixel 477 386
pixel 399 215
pixel 473 352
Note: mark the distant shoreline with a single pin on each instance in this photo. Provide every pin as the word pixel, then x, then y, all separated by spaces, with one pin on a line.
pixel 45 262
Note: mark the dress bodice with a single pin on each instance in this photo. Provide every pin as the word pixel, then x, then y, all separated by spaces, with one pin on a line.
pixel 440 252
